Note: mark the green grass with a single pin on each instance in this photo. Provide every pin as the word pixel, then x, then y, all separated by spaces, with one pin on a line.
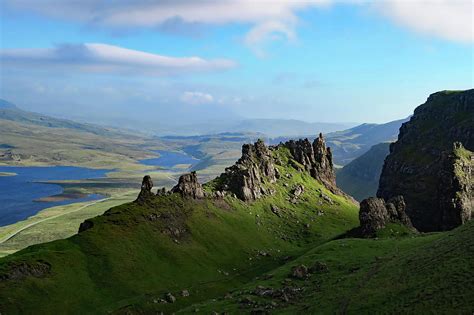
pixel 128 259
pixel 54 223
pixel 431 273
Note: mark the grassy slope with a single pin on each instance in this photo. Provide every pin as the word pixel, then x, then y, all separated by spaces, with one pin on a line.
pixel 127 259
pixel 415 275
pixel 54 223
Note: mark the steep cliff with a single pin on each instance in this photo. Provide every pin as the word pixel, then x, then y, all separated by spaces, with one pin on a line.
pixel 422 165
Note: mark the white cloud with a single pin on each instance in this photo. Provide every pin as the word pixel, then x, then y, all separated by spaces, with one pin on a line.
pixel 102 58
pixel 265 16
pixel 197 98
pixel 448 19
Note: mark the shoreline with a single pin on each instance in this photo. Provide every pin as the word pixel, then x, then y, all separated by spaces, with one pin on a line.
pixel 7 174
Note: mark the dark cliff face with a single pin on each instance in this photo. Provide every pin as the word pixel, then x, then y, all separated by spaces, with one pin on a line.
pixel 418 168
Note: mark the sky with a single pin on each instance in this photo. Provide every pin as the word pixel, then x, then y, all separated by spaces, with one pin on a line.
pixel 167 61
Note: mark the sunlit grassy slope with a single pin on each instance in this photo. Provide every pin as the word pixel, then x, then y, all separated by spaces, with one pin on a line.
pixel 422 274
pixel 135 254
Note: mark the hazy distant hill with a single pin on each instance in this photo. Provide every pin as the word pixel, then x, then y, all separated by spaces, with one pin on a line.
pixel 6 105
pixel 288 127
pixel 352 143
pixel 360 178
pixel 11 112
pixel 270 127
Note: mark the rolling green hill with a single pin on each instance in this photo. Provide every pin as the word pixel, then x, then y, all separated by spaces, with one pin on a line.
pixel 360 178
pixel 135 253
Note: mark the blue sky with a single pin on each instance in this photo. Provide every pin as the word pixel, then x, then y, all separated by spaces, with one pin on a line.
pixel 321 60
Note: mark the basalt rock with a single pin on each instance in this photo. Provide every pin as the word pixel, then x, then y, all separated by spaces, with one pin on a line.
pixel 456 187
pixel 246 177
pixel 375 214
pixel 422 165
pixel 145 192
pixel 316 159
pixel 86 225
pixel 189 187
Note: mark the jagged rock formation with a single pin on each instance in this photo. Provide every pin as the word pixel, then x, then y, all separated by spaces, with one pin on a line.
pixel 375 214
pixel 189 187
pixel 249 178
pixel 246 178
pixel 316 158
pixel 456 187
pixel 417 167
pixel 145 192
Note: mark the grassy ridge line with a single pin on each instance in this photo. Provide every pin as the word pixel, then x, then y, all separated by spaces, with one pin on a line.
pixel 54 223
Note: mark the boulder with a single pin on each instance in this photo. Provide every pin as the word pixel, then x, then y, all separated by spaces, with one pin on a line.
pixel 300 272
pixel 375 214
pixel 189 187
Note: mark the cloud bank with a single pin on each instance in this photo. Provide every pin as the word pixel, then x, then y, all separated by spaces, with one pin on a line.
pixel 447 19
pixel 102 58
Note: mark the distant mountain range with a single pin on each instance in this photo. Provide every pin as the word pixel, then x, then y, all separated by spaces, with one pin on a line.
pixel 347 144
pixel 351 143
pixel 10 112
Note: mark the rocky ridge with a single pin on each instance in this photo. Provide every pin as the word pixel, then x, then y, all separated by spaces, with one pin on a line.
pixel 252 176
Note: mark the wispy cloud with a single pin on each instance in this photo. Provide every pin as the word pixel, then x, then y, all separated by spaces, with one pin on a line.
pixel 448 19
pixel 102 58
pixel 197 98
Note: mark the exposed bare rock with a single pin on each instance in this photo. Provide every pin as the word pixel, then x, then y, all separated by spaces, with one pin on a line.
pixel 161 192
pixel 375 214
pixel 246 177
pixel 188 186
pixel 422 166
pixel 316 159
pixel 19 271
pixel 145 192
pixel 86 225
pixel 456 187
pixel 300 272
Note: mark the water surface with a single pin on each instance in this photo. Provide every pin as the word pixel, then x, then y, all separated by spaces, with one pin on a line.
pixel 170 159
pixel 18 193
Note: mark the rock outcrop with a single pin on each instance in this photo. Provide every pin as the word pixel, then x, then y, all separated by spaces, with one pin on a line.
pixel 189 187
pixel 375 214
pixel 250 177
pixel 246 178
pixel 316 158
pixel 419 168
pixel 456 187
pixel 145 192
